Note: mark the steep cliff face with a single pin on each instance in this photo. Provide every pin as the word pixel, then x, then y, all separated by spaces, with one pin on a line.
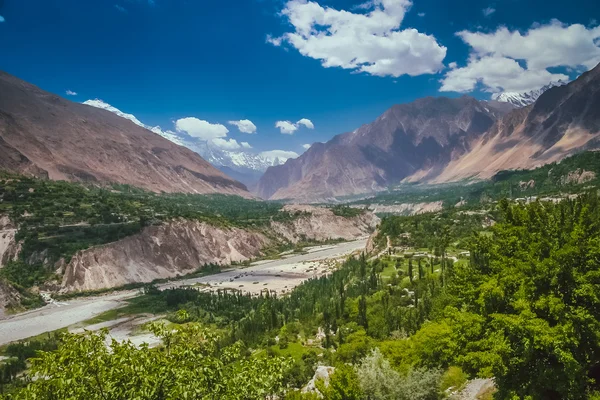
pixel 182 246
pixel 164 251
pixel 321 224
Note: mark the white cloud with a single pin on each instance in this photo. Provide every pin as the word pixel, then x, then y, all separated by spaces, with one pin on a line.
pixel 71 93
pixel 244 125
pixel 2 18
pixel 281 155
pixel 488 11
pixel 121 8
pixel 306 122
pixel 496 74
pixel 421 14
pixel 226 144
pixel 512 61
pixel 246 145
pixel 288 128
pixel 201 129
pixel 452 65
pixel 370 42
pixel 275 41
pixel 306 146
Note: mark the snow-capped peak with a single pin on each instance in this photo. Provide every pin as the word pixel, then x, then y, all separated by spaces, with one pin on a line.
pixel 524 99
pixel 105 106
pixel 208 150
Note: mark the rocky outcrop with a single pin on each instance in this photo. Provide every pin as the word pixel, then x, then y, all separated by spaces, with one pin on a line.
pixel 45 135
pixel 407 208
pixel 163 251
pixel 182 246
pixel 320 224
pixel 9 248
pixel 322 373
pixel 524 185
pixel 9 297
pixel 371 242
pixel 577 177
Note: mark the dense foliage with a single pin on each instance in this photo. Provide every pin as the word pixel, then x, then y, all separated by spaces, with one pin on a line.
pixel 190 365
pixel 56 219
pixel 521 306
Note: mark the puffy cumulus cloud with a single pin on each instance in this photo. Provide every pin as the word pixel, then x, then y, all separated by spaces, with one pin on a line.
pixel 514 61
pixel 201 129
pixel 369 40
pixel 306 122
pixel 245 145
pixel 288 128
pixel 306 146
pixel 488 11
pixel 280 155
pixel 226 144
pixel 495 74
pixel 70 93
pixel 244 125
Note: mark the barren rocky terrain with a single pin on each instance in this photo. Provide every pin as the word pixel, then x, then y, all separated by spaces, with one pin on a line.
pixel 47 136
pixel 180 247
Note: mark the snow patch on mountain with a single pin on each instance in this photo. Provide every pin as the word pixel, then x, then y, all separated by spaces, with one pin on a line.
pixel 210 152
pixel 526 98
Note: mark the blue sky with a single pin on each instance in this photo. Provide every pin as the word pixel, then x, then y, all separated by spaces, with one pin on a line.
pixel 168 60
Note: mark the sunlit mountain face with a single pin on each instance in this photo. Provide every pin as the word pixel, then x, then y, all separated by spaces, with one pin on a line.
pixel 245 165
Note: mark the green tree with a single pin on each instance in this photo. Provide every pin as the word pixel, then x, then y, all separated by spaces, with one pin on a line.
pixel 190 365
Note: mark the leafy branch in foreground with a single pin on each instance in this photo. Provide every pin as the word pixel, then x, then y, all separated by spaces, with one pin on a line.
pixel 190 365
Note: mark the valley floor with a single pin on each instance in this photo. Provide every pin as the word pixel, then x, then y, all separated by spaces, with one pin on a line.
pixel 279 275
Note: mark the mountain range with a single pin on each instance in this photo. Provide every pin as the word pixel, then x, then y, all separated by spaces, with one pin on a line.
pixel 431 140
pixel 435 140
pixel 525 98
pixel 245 166
pixel 45 135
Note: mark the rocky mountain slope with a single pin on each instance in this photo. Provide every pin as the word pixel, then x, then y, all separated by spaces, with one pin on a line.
pixel 442 140
pixel 422 136
pixel 564 120
pixel 243 165
pixel 526 98
pixel 45 135
pixel 182 246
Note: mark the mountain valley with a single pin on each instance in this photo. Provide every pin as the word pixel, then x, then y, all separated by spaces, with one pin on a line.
pixel 409 267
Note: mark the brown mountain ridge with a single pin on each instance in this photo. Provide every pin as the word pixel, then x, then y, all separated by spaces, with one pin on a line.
pixel 435 140
pixel 45 135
